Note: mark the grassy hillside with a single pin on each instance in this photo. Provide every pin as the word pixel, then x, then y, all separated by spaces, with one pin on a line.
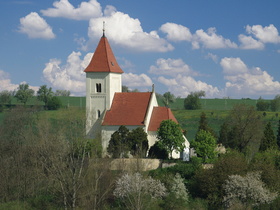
pixel 216 111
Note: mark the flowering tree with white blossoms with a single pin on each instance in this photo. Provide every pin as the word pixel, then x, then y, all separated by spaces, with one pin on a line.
pixel 137 192
pixel 248 190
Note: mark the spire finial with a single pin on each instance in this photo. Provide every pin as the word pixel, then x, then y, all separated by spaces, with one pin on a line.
pixel 103 29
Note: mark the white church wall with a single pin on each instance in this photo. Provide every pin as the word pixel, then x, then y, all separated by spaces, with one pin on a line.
pixel 153 103
pixel 152 138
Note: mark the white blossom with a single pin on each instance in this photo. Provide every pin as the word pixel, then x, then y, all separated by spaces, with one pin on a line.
pixel 247 189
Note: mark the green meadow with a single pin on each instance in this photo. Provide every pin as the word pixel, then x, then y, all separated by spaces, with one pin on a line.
pixel 216 111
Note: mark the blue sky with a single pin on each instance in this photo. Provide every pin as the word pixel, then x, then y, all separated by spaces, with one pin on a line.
pixel 225 48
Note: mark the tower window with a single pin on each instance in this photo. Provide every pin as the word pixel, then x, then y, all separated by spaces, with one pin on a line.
pixel 98 87
pixel 98 113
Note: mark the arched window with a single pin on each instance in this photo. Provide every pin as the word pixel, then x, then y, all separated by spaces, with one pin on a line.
pixel 98 113
pixel 98 87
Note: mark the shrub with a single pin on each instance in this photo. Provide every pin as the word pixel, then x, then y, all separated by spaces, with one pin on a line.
pixel 247 189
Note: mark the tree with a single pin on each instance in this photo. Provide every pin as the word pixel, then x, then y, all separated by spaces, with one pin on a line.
pixel 204 145
pixel 275 103
pixel 248 189
pixel 262 105
pixel 44 94
pixel 24 93
pixel 139 142
pixel 244 130
pixel 136 192
pixel 62 93
pixel 178 195
pixel 278 135
pixel 170 136
pixel 192 101
pixel 54 103
pixel 208 183
pixel 269 140
pixel 158 152
pixel 203 124
pixel 5 97
pixel 64 154
pixel 168 98
pixel 119 146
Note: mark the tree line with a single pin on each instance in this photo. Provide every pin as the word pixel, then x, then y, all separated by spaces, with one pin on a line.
pixel 24 93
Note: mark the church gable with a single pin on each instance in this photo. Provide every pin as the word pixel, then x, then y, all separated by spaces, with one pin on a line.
pixel 158 115
pixel 128 109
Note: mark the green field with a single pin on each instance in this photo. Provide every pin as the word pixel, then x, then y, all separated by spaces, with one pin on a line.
pixel 216 111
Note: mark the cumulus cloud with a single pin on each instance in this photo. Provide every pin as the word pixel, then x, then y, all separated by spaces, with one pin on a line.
pixel 249 43
pixel 244 81
pixel 178 77
pixel 127 32
pixel 212 57
pixel 84 11
pixel 267 34
pixel 171 67
pixel 211 40
pixel 134 80
pixel 184 85
pixel 35 27
pixel 176 32
pixel 70 76
pixel 5 82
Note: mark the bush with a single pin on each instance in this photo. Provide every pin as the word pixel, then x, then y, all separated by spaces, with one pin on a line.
pixel 248 190
pixel 54 103
pixel 158 152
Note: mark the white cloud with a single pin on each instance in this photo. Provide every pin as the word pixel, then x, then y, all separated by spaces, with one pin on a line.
pixel 125 31
pixel 233 66
pixel 184 85
pixel 171 67
pixel 211 40
pixel 5 82
pixel 213 57
pixel 268 34
pixel 70 76
pixel 178 78
pixel 248 43
pixel 35 27
pixel 84 11
pixel 176 32
pixel 134 80
pixel 245 82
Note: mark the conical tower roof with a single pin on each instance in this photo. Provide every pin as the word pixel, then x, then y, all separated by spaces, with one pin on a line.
pixel 103 59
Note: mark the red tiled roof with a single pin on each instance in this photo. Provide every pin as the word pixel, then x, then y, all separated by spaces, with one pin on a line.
pixel 128 109
pixel 103 59
pixel 158 115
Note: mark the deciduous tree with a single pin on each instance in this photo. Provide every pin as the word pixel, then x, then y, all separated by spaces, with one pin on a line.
pixel 244 130
pixel 170 136
pixel 137 192
pixel 248 189
pixel 192 101
pixel 139 142
pixel 44 94
pixel 5 97
pixel 119 146
pixel 204 145
pixel 275 103
pixel 168 98
pixel 24 93
pixel 269 140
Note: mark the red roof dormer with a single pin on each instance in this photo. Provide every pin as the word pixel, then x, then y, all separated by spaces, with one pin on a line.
pixel 103 59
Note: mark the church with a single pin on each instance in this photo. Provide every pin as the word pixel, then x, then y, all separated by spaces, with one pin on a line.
pixel 107 107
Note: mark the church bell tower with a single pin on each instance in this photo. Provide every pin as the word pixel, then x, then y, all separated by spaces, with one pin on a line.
pixel 103 80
